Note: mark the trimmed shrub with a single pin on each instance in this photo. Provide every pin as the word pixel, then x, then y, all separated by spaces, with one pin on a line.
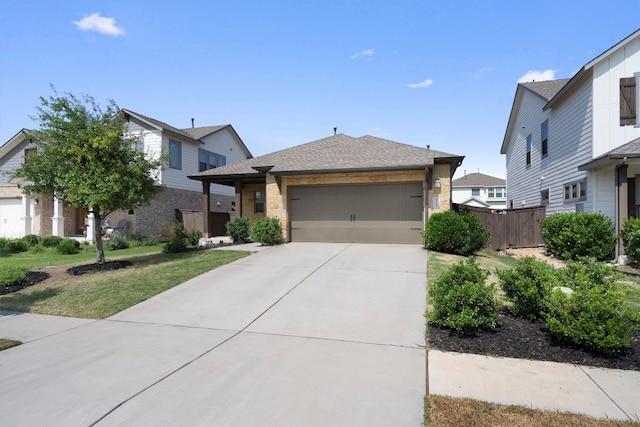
pixel 4 242
pixel 194 236
pixel 37 249
pixel 136 239
pixel 267 230
pixel 12 275
pixel 68 247
pixel 527 286
pixel 631 238
pixel 51 241
pixel 573 235
pixel 116 241
pixel 238 229
pixel 176 238
pixel 455 233
pixel 17 245
pixel 462 301
pixel 31 240
pixel 595 316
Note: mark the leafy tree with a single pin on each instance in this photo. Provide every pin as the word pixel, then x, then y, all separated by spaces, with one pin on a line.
pixel 87 159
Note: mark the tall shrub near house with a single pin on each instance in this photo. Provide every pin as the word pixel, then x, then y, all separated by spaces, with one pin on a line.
pixel 267 230
pixel 572 235
pixel 631 238
pixel 455 233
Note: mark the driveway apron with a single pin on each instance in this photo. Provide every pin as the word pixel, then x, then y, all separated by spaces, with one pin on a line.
pixel 299 334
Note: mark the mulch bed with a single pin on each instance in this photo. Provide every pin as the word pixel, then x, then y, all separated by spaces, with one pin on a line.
pixel 90 268
pixel 523 339
pixel 33 277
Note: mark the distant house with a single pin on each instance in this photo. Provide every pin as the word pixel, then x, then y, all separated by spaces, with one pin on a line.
pixel 342 189
pixel 477 189
pixel 574 145
pixel 187 151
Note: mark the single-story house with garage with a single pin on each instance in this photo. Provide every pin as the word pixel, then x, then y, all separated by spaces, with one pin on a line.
pixel 341 189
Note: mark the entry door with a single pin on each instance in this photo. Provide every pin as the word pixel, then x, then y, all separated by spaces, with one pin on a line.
pixel 367 213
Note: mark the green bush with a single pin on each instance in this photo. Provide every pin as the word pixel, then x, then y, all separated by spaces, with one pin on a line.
pixel 137 239
pixel 267 230
pixel 68 246
pixel 12 275
pixel 595 316
pixel 194 236
pixel 17 245
pixel 116 241
pixel 238 229
pixel 462 301
pixel 4 242
pixel 37 249
pixel 631 238
pixel 455 233
pixel 51 241
pixel 574 235
pixel 527 286
pixel 31 240
pixel 176 238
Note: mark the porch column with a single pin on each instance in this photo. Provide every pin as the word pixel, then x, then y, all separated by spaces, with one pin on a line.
pixel 238 185
pixel 622 213
pixel 206 200
pixel 91 226
pixel 26 219
pixel 57 220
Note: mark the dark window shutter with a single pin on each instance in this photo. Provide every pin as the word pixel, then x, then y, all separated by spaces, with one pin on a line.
pixel 627 101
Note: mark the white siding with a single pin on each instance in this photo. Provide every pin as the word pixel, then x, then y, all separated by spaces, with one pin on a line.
pixel 608 134
pixel 13 160
pixel 570 136
pixel 605 192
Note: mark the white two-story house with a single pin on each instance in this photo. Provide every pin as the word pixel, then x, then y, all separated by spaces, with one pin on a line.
pixel 574 144
pixel 187 151
pixel 478 189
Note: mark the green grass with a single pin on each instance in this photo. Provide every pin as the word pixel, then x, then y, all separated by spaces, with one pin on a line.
pixel 7 343
pixel 87 254
pixel 102 294
pixel 439 262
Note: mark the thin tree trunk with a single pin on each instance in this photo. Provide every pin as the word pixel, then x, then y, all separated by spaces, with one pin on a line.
pixel 98 236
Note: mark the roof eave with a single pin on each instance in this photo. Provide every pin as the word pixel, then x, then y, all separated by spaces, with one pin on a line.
pixel 348 170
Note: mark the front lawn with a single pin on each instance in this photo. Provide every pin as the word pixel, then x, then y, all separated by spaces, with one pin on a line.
pixel 102 294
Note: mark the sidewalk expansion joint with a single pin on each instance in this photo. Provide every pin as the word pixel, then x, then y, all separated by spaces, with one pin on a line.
pixel 378 344
pixel 605 393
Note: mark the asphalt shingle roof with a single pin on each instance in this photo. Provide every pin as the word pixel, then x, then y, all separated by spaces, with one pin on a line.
pixel 336 153
pixel 547 89
pixel 478 179
pixel 201 132
pixel 161 125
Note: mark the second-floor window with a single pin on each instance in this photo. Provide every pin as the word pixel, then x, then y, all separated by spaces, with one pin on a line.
pixel 28 152
pixel 210 160
pixel 496 192
pixel 175 154
pixel 475 191
pixel 544 138
pixel 529 150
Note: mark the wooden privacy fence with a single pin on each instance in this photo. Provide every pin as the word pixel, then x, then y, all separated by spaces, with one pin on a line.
pixel 518 228
pixel 192 220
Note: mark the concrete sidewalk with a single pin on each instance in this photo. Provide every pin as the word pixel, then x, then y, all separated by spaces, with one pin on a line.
pixel 597 392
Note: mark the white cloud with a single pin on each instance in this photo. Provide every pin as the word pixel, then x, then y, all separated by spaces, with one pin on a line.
pixel 99 24
pixel 537 76
pixel 368 53
pixel 482 71
pixel 424 83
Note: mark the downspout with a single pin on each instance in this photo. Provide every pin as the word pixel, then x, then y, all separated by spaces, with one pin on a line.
pixel 622 202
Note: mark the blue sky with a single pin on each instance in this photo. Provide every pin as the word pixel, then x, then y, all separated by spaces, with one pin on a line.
pixel 438 73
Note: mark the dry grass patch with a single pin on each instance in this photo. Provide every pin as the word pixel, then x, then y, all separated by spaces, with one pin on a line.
pixel 445 411
pixel 7 343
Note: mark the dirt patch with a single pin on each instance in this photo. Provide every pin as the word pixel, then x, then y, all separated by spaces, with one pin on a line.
pixel 539 253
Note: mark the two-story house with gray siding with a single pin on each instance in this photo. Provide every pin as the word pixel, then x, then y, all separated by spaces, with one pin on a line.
pixel 574 144
pixel 187 151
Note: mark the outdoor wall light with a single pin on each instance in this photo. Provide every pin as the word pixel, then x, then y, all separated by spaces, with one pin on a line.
pixel 436 183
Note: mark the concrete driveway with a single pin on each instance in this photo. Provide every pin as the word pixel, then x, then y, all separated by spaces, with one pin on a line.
pixel 299 334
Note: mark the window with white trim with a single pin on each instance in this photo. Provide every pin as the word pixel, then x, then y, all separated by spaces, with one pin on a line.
pixel 496 192
pixel 575 191
pixel 175 154
pixel 475 191
pixel 258 206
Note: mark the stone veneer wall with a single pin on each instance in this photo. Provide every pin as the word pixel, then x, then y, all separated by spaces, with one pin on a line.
pixel 277 194
pixel 151 219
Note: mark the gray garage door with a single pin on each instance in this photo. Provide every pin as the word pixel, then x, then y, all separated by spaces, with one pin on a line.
pixel 365 213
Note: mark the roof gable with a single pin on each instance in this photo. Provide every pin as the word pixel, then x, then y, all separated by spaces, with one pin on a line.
pixel 204 131
pixel 14 142
pixel 339 153
pixel 162 126
pixel 478 180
